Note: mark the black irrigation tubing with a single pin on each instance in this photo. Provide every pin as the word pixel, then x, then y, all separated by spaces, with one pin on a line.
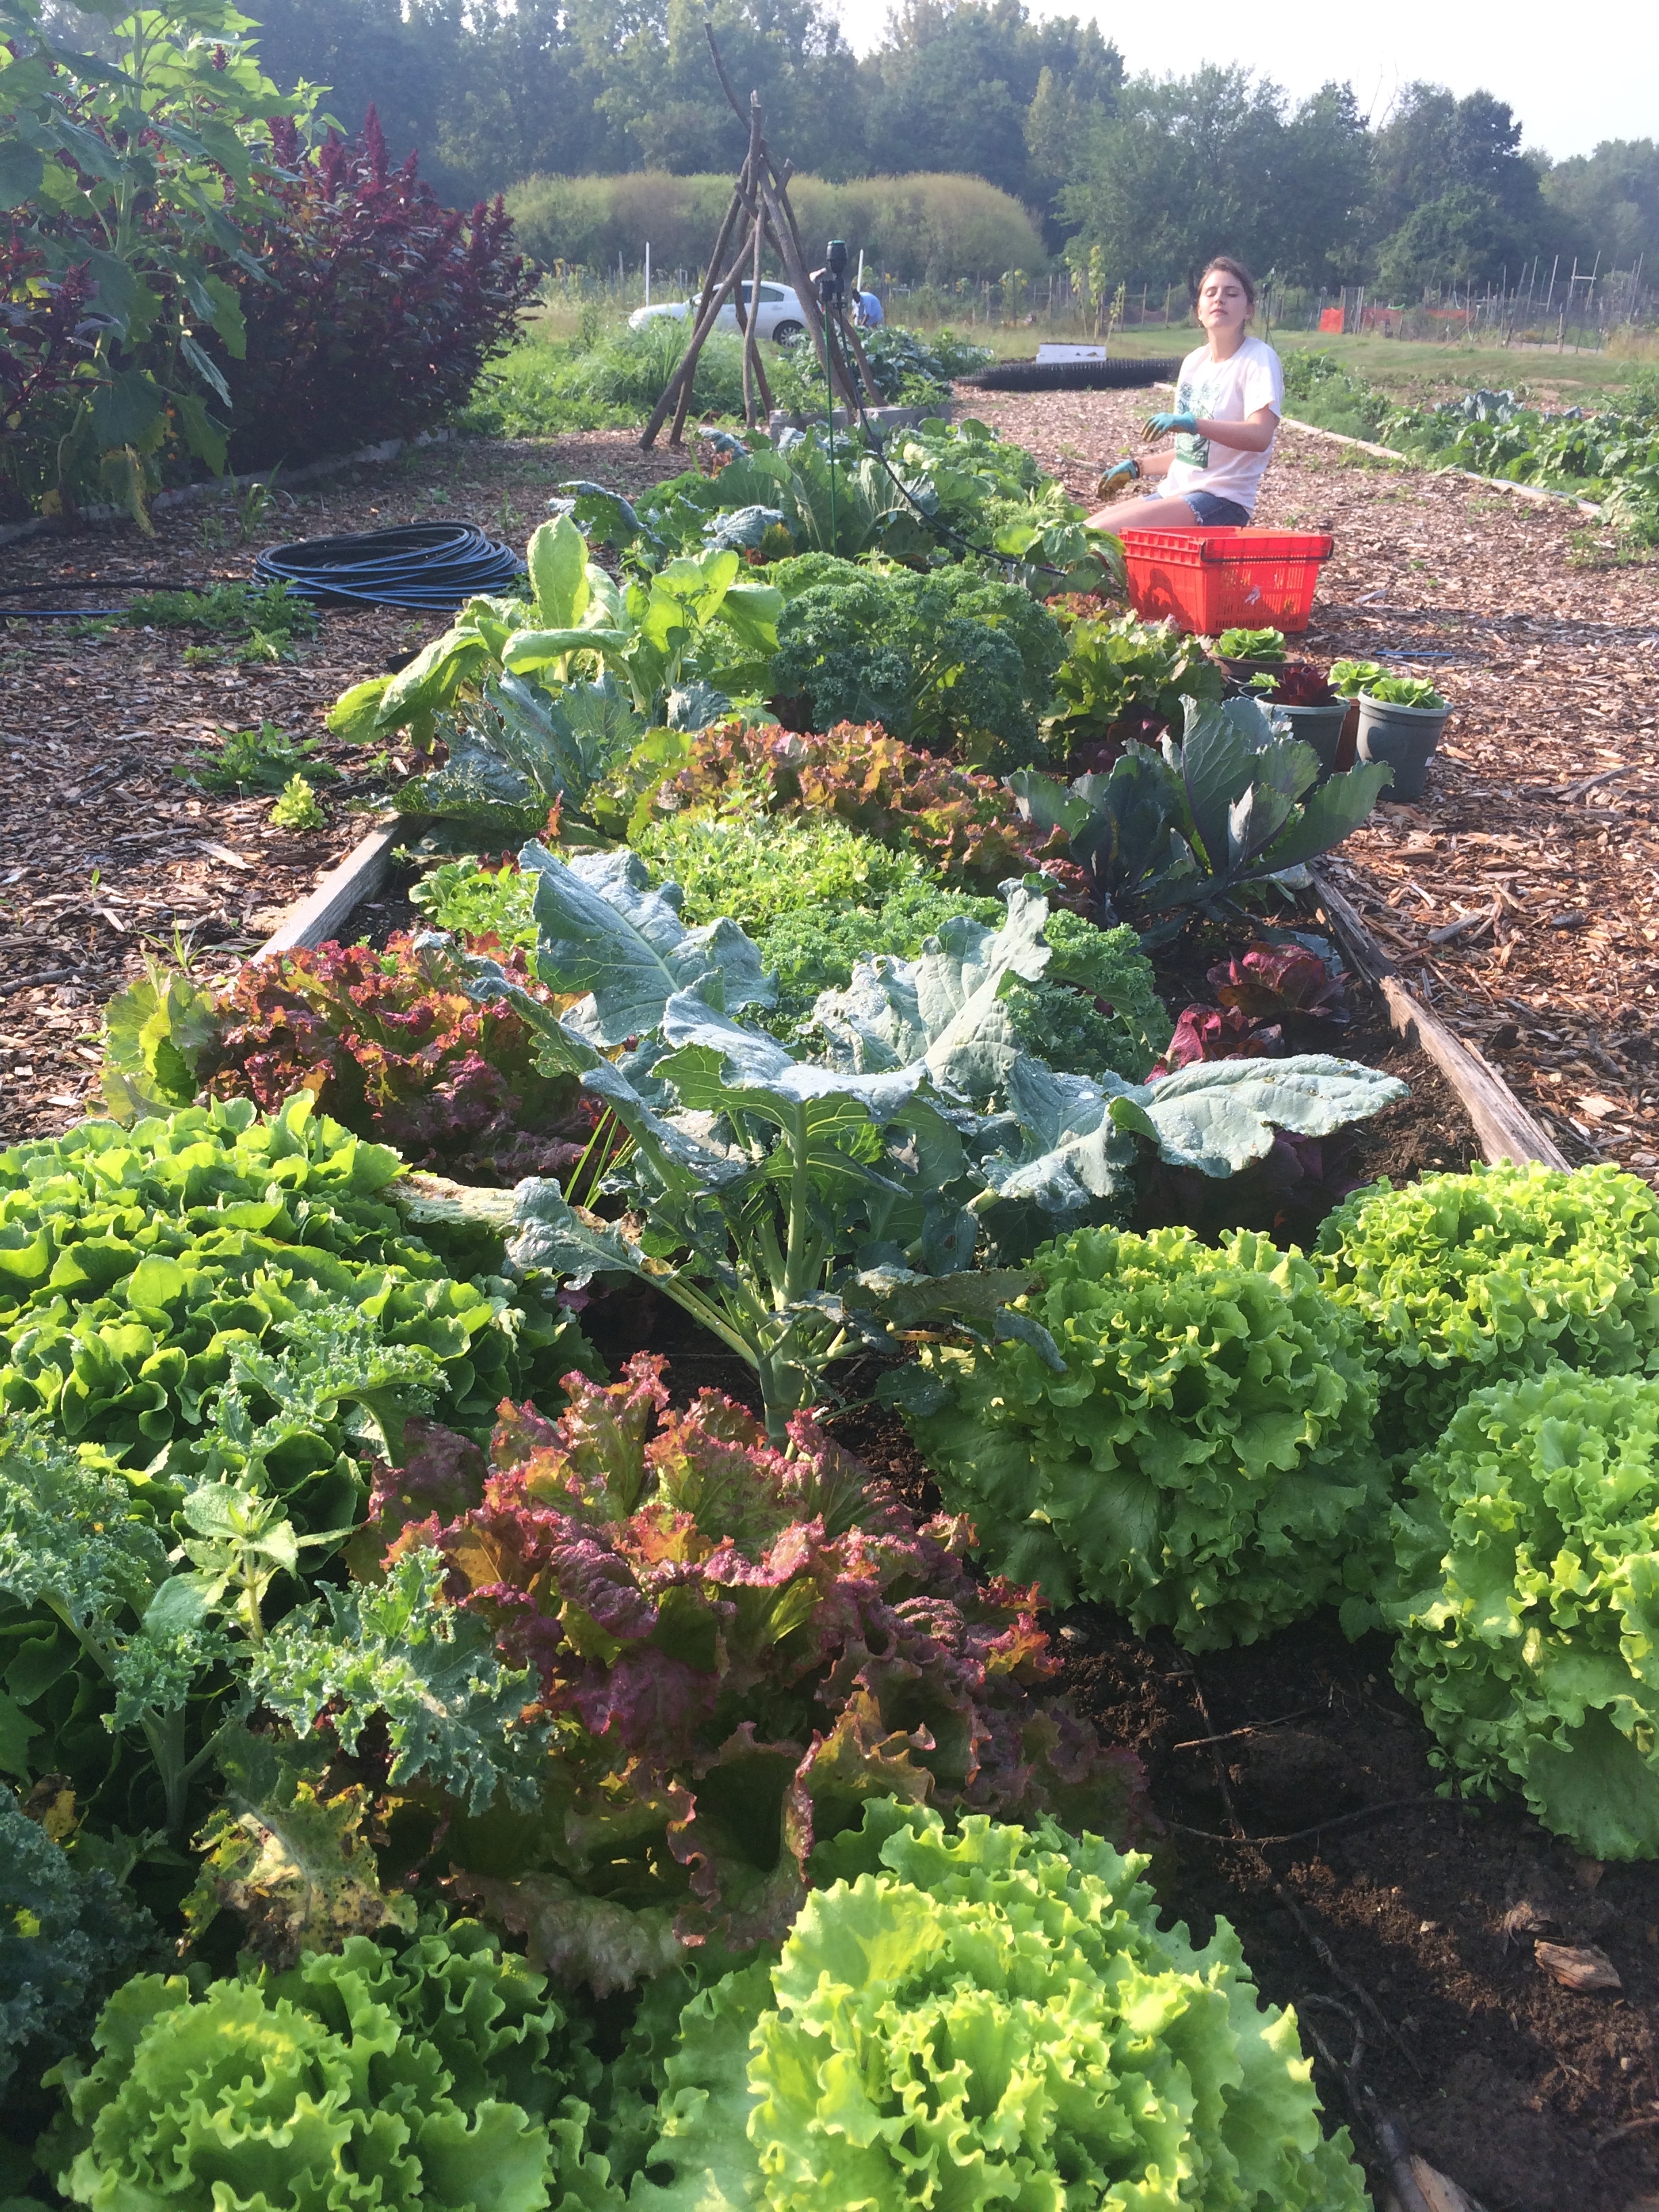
pixel 425 567
pixel 1123 374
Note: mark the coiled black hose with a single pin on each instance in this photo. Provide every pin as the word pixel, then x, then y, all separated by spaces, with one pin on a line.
pixel 428 567
pixel 1121 374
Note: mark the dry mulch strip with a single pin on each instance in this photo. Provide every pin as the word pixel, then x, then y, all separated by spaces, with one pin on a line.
pixel 1540 827
pixel 104 853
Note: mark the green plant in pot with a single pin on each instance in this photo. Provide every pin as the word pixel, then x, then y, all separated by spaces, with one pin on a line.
pixel 1400 720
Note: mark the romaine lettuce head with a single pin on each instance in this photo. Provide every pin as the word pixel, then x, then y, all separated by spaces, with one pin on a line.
pixel 986 2018
pixel 1527 1601
pixel 1205 1462
pixel 442 2075
pixel 1460 1280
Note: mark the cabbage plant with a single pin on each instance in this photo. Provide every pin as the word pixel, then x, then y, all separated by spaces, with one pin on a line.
pixel 800 1207
pixel 1202 1459
pixel 989 2017
pixel 1527 1600
pixel 1460 1280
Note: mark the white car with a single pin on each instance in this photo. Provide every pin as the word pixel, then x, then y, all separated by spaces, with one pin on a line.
pixel 779 314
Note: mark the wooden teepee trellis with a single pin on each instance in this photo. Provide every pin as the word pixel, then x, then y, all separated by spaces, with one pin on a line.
pixel 759 216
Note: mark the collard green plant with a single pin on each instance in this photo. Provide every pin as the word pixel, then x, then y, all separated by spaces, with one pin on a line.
pixel 67 1936
pixel 694 620
pixel 1187 829
pixel 1523 1600
pixel 1202 1459
pixel 798 1207
pixel 995 2015
pixel 736 1648
pixel 1461 1280
pixel 439 2074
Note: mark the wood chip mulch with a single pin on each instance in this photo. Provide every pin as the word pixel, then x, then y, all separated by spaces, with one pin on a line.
pixel 1520 897
pixel 105 855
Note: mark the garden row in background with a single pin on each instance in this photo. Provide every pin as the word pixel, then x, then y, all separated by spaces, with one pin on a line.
pixel 345 1601
pixel 1609 455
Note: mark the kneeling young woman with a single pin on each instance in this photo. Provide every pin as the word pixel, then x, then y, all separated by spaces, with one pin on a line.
pixel 1228 402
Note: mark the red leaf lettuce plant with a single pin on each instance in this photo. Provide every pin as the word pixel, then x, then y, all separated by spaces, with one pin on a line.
pixel 736 1648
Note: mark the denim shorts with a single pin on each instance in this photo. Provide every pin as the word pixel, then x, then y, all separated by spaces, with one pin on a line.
pixel 1214 512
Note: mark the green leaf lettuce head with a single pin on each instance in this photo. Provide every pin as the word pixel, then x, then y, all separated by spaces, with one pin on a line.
pixel 1204 1463
pixel 143 1273
pixel 442 2074
pixel 1527 1597
pixel 984 2018
pixel 1459 1281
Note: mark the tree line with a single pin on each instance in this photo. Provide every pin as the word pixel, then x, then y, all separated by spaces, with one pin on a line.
pixel 1156 171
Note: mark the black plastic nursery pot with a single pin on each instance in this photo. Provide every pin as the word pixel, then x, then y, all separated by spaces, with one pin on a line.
pixel 1318 727
pixel 1404 737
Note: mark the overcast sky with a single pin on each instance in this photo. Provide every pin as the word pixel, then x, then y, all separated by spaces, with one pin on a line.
pixel 1571 80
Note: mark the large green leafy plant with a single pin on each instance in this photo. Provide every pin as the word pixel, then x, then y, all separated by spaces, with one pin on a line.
pixel 986 2018
pixel 1202 1459
pixel 1527 1557
pixel 735 1648
pixel 67 1936
pixel 1126 672
pixel 954 657
pixel 1464 1279
pixel 550 689
pixel 138 1267
pixel 799 1207
pixel 439 2074
pixel 142 171
pixel 1190 827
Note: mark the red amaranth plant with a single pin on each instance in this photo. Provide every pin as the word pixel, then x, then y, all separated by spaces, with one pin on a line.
pixel 389 1045
pixel 384 307
pixel 736 1648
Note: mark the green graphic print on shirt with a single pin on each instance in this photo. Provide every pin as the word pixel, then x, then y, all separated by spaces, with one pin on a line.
pixel 1193 398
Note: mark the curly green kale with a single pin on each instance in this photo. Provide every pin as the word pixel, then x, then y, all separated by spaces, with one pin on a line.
pixel 437 2076
pixel 401 1652
pixel 1096 1008
pixel 953 655
pixel 1527 1602
pixel 989 2017
pixel 1205 1462
pixel 1460 1280
pixel 66 1938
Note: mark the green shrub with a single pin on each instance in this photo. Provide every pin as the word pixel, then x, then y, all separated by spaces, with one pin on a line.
pixel 1527 1601
pixel 1459 1281
pixel 1203 1464
pixel 443 2075
pixel 541 389
pixel 989 2017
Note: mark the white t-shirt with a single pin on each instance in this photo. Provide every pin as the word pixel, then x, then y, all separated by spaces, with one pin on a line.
pixel 1225 392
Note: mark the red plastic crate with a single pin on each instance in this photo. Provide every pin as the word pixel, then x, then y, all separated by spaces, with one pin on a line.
pixel 1216 580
